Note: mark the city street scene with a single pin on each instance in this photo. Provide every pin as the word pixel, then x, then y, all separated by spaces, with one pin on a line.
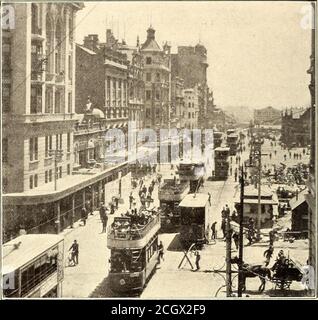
pixel 159 150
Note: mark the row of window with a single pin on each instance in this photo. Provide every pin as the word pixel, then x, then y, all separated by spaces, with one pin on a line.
pixel 34 142
pixel 114 89
pixel 36 100
pixel 48 176
pixel 149 95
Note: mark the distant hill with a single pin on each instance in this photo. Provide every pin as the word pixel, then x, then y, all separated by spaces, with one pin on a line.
pixel 240 113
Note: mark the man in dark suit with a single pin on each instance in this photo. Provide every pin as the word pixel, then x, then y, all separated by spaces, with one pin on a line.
pixel 75 251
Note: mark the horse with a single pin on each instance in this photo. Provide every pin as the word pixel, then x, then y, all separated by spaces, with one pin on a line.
pixel 252 271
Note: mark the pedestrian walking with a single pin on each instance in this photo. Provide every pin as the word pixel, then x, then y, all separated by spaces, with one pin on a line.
pixel 272 237
pixel 88 206
pixel 112 208
pixel 268 253
pixel 209 199
pixel 74 252
pixel 207 234
pixel 116 202
pixel 275 152
pixel 160 252
pixel 149 199
pixel 213 229
pixel 230 170
pixel 227 211
pixel 103 217
pixel 197 259
pixel 131 200
pixel 84 215
pixel 235 237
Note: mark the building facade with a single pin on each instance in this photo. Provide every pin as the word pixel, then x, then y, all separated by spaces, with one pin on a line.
pixel 136 85
pixel 177 102
pixel 190 109
pixel 39 108
pixel 39 94
pixel 42 191
pixel 190 64
pixel 268 115
pixel 295 128
pixel 157 79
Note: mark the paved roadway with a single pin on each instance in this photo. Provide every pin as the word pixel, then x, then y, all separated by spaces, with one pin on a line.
pixel 89 278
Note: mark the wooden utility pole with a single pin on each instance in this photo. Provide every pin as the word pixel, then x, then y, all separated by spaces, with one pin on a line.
pixel 259 207
pixel 241 244
pixel 228 271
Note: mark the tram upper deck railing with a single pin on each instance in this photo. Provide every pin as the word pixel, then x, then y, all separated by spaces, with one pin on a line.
pixel 133 227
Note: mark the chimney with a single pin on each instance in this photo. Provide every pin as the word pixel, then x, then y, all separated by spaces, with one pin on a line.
pixel 91 42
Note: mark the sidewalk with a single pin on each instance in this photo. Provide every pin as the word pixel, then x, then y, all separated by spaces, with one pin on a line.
pixel 81 280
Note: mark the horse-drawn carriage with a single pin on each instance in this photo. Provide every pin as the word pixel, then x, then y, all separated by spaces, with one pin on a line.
pixel 284 273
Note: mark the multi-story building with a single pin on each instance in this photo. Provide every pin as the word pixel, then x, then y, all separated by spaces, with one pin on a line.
pixel 177 102
pixel 38 86
pixel 190 64
pixel 41 194
pixel 136 85
pixel 157 78
pixel 295 129
pixel 311 197
pixel 268 115
pixel 102 65
pixel 191 108
pixel 38 103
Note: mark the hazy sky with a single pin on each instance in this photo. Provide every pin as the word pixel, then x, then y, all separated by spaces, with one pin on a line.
pixel 258 53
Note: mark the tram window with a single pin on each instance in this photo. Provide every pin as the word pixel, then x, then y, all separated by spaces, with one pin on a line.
pixel 38 271
pixel 127 260
pixel 190 216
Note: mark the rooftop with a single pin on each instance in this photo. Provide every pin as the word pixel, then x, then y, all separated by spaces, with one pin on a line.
pixel 197 200
pixel 21 250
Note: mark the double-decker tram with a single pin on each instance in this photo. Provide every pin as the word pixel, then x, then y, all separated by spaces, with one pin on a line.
pixel 221 163
pixel 33 266
pixel 194 172
pixel 133 241
pixel 195 217
pixel 232 142
pixel 217 138
pixel 170 195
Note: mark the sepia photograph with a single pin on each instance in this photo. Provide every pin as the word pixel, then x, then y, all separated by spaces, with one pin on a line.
pixel 158 150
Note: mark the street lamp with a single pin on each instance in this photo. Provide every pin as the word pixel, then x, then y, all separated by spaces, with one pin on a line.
pixel 57 154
